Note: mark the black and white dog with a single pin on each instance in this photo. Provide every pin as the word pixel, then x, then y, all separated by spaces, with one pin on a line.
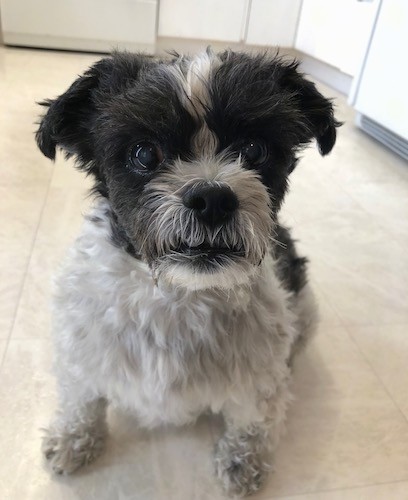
pixel 183 294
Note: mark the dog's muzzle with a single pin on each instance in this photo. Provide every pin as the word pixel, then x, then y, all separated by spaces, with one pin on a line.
pixel 212 231
pixel 213 205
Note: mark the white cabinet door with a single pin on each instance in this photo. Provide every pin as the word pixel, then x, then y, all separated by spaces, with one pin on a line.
pixel 336 31
pixel 80 24
pixel 382 92
pixel 273 22
pixel 222 20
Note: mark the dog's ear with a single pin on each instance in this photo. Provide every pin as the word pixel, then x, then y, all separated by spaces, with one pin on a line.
pixel 67 122
pixel 70 118
pixel 316 110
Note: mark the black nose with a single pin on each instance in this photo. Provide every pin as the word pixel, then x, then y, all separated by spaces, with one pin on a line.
pixel 214 205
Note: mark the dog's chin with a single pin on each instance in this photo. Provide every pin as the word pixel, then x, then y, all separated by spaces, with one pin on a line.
pixel 201 269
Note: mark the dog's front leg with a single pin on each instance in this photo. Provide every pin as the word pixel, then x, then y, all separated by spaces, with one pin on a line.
pixel 77 434
pixel 241 458
pixel 243 455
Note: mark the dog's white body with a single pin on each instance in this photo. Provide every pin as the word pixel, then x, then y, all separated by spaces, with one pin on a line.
pixel 168 353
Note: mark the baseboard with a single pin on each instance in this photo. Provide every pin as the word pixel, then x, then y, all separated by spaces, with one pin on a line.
pixel 76 44
pixel 189 46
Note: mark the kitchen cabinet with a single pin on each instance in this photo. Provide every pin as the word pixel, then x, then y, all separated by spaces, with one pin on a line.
pixel 221 20
pixel 336 31
pixel 273 22
pixel 98 25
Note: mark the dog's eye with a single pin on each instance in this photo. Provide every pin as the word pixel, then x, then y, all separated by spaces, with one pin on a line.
pixel 145 156
pixel 254 152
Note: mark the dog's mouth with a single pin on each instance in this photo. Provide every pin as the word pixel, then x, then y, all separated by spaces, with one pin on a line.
pixel 217 265
pixel 208 251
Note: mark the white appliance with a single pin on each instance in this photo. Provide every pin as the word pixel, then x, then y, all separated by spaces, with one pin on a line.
pixel 379 92
pixel 94 25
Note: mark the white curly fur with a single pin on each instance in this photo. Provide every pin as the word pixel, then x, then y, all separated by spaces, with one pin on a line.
pixel 168 354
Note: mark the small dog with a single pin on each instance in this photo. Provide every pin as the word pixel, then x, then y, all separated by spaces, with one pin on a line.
pixel 183 294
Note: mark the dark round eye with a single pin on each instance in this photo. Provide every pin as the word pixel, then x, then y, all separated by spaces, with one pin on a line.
pixel 254 152
pixel 146 156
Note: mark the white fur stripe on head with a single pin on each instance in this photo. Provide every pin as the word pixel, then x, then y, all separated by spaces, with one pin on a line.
pixel 193 76
pixel 197 77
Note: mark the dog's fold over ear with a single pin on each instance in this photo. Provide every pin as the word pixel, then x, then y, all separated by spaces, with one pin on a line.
pixel 68 120
pixel 317 111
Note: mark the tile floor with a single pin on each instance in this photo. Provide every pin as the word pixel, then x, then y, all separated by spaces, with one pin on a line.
pixel 348 428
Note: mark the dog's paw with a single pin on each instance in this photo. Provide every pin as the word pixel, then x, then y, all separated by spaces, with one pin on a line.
pixel 67 452
pixel 241 473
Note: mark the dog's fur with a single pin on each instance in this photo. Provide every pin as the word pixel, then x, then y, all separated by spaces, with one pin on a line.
pixel 141 322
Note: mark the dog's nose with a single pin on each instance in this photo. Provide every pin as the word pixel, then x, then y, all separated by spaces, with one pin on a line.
pixel 214 205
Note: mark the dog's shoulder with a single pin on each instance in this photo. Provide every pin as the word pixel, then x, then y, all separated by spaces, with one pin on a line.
pixel 290 267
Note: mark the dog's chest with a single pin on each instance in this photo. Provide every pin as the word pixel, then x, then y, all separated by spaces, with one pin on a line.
pixel 167 354
pixel 176 355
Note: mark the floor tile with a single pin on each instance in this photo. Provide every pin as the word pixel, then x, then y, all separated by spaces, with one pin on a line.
pixel 59 226
pixel 342 425
pixel 22 196
pixel 26 395
pixel 158 465
pixel 3 347
pixel 389 491
pixel 358 298
pixel 386 349
pixel 387 203
pixel 328 316
pixel 363 274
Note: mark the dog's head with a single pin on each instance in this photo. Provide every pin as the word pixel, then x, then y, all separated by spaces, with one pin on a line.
pixel 193 154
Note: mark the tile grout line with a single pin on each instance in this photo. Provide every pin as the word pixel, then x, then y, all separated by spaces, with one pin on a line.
pixel 367 212
pixel 27 266
pixel 315 283
pixel 396 405
pixel 335 490
pixel 347 328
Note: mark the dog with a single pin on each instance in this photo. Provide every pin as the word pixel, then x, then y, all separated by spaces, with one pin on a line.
pixel 183 293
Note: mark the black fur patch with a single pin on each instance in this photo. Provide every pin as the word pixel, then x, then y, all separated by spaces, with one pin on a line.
pixel 292 269
pixel 260 97
pixel 119 237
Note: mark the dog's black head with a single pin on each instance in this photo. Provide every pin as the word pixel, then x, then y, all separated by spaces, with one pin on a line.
pixel 193 154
